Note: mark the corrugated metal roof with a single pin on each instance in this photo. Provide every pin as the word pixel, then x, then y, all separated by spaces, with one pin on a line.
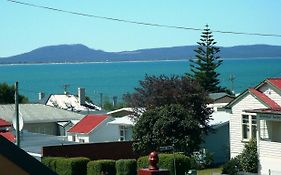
pixel 126 120
pixel 4 123
pixel 88 123
pixel 9 136
pixel 272 104
pixel 34 113
pixel 275 81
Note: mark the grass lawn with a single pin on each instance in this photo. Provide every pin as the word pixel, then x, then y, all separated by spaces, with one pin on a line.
pixel 209 171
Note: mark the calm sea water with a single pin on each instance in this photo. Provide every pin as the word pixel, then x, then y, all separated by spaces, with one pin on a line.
pixel 115 79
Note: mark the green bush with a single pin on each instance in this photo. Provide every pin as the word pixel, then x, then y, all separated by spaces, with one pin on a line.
pixel 99 167
pixel 126 167
pixel 67 166
pixel 166 161
pixel 249 157
pixel 232 167
pixel 51 162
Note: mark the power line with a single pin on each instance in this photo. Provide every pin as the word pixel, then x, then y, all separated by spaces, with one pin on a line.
pixel 143 23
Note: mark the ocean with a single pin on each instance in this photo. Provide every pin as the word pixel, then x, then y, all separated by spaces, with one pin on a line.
pixel 117 78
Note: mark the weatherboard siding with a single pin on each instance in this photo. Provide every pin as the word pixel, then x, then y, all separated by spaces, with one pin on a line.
pixel 104 133
pixel 271 93
pixel 269 157
pixel 236 142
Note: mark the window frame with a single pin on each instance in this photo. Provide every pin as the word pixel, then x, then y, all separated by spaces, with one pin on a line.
pixel 251 124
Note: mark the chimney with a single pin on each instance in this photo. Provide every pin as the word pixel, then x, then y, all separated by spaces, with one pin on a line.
pixel 81 96
pixel 41 95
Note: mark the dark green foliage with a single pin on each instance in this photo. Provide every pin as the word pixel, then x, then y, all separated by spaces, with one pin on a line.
pixel 232 167
pixel 166 161
pixel 204 66
pixel 176 111
pixel 67 166
pixel 126 167
pixel 249 157
pixel 7 94
pixel 51 162
pixel 247 161
pixel 99 167
pixel 167 125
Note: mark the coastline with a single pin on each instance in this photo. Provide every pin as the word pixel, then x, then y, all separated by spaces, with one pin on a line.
pixel 129 61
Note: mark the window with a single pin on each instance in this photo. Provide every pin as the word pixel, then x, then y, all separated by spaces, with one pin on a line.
pixel 73 138
pixel 249 126
pixel 123 133
pixel 81 140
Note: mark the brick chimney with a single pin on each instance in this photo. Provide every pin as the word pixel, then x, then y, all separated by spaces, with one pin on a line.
pixel 81 96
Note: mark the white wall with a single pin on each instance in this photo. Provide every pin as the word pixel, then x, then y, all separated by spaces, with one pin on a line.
pixel 268 91
pixel 105 133
pixel 235 127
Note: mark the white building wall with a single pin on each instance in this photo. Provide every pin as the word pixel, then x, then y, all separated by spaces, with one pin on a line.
pixel 105 133
pixel 269 156
pixel 271 93
pixel 235 127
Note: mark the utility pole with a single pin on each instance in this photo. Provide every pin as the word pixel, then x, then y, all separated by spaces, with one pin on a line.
pixel 101 105
pixel 65 86
pixel 231 79
pixel 17 113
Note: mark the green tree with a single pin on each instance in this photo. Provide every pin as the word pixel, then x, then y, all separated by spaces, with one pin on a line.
pixel 167 125
pixel 158 95
pixel 7 94
pixel 203 67
pixel 249 157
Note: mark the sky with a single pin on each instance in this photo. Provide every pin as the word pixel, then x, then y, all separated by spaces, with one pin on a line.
pixel 25 28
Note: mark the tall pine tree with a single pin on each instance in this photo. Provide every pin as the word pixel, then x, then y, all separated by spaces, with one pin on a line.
pixel 203 67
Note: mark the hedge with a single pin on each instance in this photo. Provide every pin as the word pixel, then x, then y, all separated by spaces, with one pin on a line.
pixel 67 166
pixel 51 162
pixel 166 161
pixel 98 167
pixel 126 167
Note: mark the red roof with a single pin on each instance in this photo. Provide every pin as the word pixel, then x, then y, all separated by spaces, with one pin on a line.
pixel 88 123
pixel 9 136
pixel 272 104
pixel 275 82
pixel 4 123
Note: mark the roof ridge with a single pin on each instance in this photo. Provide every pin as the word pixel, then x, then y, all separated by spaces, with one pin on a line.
pixel 268 101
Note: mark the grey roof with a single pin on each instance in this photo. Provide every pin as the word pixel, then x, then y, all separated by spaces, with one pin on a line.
pixel 35 113
pixel 215 96
pixel 33 142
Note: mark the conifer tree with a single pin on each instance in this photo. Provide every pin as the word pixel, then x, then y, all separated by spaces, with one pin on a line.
pixel 203 67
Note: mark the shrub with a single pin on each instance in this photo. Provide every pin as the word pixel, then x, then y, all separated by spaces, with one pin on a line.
pixel 247 161
pixel 99 167
pixel 202 159
pixel 232 167
pixel 126 167
pixel 166 161
pixel 51 162
pixel 249 157
pixel 67 166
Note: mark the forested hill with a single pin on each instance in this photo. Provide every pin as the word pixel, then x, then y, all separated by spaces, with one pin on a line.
pixel 81 53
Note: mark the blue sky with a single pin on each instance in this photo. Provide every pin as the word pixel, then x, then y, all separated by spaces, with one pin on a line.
pixel 26 28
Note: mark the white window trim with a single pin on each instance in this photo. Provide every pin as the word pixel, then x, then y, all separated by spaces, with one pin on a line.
pixel 250 115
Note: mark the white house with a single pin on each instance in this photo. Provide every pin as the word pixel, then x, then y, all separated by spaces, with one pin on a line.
pixel 256 114
pixel 70 102
pixel 101 128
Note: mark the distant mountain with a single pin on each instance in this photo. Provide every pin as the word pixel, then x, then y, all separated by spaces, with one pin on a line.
pixel 81 53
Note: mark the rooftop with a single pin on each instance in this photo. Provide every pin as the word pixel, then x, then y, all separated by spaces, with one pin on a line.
pixel 32 113
pixel 269 102
pixel 88 123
